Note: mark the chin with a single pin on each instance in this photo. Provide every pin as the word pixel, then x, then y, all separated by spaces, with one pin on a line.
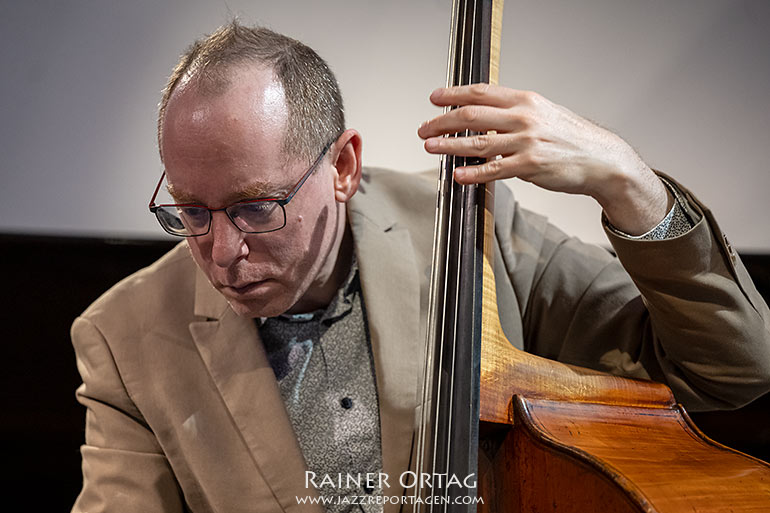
pixel 256 309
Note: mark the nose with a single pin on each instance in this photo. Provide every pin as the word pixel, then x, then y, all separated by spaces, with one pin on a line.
pixel 227 241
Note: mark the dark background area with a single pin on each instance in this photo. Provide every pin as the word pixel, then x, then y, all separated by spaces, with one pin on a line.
pixel 50 280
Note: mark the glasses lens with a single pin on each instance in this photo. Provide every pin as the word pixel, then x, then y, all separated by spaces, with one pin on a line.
pixel 258 216
pixel 196 219
pixel 184 221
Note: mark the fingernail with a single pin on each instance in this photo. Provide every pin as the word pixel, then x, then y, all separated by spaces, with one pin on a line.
pixel 460 173
pixel 431 144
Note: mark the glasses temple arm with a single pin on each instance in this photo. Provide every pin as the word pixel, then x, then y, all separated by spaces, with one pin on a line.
pixel 307 175
pixel 157 188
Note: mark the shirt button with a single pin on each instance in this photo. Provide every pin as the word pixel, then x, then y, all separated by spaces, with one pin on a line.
pixel 346 403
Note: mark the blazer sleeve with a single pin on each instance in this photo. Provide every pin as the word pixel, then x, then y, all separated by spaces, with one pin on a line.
pixel 124 468
pixel 681 311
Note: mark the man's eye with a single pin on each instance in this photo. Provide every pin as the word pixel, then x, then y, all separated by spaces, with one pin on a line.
pixel 254 210
pixel 194 216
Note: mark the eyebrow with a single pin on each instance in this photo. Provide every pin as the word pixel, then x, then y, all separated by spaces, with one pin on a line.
pixel 256 190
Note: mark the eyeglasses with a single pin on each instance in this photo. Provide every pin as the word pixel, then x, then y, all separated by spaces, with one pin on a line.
pixel 260 215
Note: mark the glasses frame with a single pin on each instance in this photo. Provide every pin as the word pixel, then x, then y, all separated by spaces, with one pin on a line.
pixel 282 202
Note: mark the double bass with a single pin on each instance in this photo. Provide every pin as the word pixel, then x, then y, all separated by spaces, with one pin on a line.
pixel 539 435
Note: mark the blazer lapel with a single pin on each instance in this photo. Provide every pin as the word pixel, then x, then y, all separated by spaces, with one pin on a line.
pixel 391 289
pixel 230 347
pixel 236 360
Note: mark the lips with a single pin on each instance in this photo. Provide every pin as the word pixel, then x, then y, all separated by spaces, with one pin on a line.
pixel 243 287
pixel 240 290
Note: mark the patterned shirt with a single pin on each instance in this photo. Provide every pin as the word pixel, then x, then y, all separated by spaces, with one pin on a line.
pixel 325 370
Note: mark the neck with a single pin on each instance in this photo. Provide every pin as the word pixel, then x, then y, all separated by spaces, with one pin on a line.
pixel 322 292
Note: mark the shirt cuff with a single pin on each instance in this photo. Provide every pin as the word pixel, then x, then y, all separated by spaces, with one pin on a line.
pixel 677 222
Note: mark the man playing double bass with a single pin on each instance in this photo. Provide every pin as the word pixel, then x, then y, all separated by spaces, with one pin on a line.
pixel 281 342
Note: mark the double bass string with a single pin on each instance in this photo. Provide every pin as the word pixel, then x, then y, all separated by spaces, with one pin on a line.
pixel 448 246
pixel 465 77
pixel 438 307
pixel 455 305
pixel 438 258
pixel 457 216
pixel 457 80
pixel 448 201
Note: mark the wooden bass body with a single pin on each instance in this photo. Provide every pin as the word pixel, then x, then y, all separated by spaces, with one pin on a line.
pixel 543 436
pixel 559 438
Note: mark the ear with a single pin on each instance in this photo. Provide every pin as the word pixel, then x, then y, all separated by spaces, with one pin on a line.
pixel 346 159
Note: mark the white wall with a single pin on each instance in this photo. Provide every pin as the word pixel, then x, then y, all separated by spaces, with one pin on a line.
pixel 685 81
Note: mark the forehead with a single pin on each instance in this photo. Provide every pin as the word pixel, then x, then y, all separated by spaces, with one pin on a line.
pixel 221 146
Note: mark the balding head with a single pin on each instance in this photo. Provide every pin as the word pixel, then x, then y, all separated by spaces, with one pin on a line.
pixel 315 112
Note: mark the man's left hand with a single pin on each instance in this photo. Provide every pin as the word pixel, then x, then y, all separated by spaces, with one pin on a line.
pixel 548 145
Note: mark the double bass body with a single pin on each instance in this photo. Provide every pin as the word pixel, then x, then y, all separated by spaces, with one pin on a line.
pixel 543 436
pixel 562 438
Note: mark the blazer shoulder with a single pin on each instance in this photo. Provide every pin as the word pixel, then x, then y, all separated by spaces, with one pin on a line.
pixel 398 186
pixel 166 285
pixel 391 198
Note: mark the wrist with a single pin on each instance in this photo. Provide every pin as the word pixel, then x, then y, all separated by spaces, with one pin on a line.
pixel 635 201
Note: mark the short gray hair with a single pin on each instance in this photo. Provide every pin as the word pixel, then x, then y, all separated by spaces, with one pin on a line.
pixel 316 114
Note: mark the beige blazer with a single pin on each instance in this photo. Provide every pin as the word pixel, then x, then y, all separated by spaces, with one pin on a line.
pixel 183 411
